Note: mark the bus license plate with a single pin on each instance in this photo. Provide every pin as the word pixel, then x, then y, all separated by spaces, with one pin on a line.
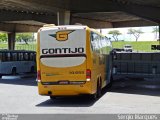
pixel 63 82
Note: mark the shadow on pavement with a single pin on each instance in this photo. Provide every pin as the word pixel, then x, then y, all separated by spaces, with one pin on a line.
pixel 67 102
pixel 149 87
pixel 81 101
pixel 30 81
pixel 145 86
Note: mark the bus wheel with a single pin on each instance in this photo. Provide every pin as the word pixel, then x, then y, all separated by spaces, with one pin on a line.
pixel 14 71
pixel 98 93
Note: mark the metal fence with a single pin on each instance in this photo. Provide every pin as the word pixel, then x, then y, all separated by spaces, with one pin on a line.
pixel 137 64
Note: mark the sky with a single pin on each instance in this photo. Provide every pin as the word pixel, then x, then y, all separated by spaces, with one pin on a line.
pixel 146 36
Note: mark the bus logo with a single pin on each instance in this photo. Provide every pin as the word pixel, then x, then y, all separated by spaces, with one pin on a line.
pixel 61 35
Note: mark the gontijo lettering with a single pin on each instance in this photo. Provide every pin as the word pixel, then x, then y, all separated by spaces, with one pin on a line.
pixel 63 50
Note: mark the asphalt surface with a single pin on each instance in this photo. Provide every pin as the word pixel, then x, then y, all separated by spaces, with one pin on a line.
pixel 20 95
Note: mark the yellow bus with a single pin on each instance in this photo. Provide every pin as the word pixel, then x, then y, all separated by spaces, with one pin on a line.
pixel 72 60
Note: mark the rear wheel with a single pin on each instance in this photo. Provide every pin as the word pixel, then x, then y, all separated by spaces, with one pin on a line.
pixel 99 90
pixel 98 93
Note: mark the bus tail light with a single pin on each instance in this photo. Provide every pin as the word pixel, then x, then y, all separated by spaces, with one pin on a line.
pixel 88 74
pixel 39 75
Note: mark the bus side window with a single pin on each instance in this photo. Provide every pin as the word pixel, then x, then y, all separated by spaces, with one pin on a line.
pixel 17 56
pixel 92 42
pixel 8 56
pixel 29 59
pixel 34 57
pixel 104 46
pixel 97 42
pixel 26 56
pixel 20 56
pixel 14 56
pixel 3 57
pixel 31 56
pixel 101 45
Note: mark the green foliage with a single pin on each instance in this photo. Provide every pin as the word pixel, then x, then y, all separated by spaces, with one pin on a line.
pixel 115 34
pixel 24 37
pixel 19 46
pixel 135 33
pixel 3 37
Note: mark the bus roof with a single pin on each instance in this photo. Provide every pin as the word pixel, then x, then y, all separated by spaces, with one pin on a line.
pixel 63 27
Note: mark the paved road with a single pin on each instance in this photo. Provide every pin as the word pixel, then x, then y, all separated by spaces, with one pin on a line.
pixel 126 96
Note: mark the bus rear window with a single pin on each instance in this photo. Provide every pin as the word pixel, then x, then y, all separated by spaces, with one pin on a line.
pixel 66 44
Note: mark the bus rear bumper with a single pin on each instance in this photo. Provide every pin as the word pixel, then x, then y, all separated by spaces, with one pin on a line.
pixel 64 90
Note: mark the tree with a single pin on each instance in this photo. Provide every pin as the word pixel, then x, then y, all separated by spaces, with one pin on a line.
pixel 3 37
pixel 155 30
pixel 24 37
pixel 115 34
pixel 135 33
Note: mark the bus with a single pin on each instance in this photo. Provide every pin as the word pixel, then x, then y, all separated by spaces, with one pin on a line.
pixel 72 60
pixel 13 62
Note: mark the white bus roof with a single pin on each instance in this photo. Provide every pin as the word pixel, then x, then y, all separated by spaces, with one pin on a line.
pixel 62 27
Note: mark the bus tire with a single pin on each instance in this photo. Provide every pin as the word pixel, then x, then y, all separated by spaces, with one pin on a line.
pixel 98 93
pixel 99 90
pixel 14 71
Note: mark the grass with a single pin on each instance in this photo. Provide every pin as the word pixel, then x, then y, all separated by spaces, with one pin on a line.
pixel 141 46
pixel 3 46
pixel 19 46
pixel 25 47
